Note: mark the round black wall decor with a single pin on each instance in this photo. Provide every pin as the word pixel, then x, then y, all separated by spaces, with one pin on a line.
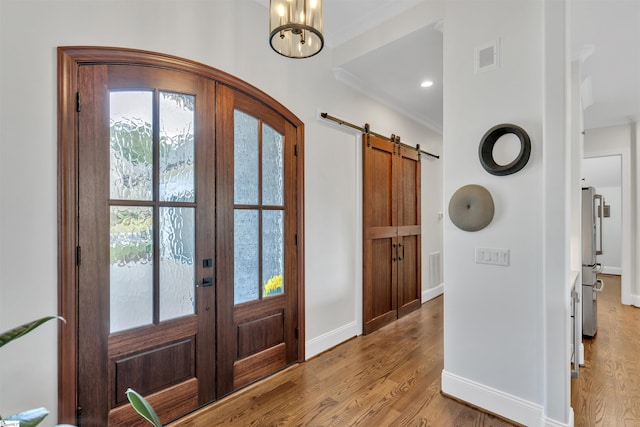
pixel 489 141
pixel 471 207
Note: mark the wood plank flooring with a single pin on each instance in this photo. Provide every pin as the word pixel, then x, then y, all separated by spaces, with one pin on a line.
pixel 388 378
pixel 607 392
pixel 392 378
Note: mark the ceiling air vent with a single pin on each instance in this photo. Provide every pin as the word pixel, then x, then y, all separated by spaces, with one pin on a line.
pixel 486 57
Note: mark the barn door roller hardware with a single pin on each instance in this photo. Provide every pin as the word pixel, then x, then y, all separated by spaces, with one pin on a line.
pixel 366 129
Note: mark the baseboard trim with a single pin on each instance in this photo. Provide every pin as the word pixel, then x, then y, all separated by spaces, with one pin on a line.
pixel 553 423
pixel 331 339
pixel 494 401
pixel 436 291
pixel 635 300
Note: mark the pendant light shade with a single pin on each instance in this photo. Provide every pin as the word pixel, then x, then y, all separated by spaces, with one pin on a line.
pixel 296 27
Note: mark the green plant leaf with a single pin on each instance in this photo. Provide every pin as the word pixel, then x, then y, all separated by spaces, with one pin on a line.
pixel 21 330
pixel 29 418
pixel 143 407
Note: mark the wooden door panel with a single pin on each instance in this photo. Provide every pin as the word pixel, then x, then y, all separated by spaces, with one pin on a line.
pixel 380 186
pixel 153 359
pixel 140 371
pixel 380 279
pixel 260 334
pixel 383 298
pixel 169 404
pixel 409 272
pixel 408 187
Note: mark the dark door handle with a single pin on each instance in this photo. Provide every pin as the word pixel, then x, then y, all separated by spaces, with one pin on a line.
pixel 400 258
pixel 206 282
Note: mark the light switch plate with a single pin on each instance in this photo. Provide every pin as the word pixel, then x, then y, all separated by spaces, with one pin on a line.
pixel 492 256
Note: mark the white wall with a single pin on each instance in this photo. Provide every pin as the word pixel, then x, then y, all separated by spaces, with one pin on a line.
pixel 207 32
pixel 506 328
pixel 611 258
pixel 432 223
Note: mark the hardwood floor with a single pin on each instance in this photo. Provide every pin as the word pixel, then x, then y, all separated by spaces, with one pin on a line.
pixel 607 392
pixel 390 377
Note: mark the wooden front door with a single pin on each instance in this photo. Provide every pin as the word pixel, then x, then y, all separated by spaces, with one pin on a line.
pixel 146 205
pixel 181 255
pixel 391 231
pixel 257 217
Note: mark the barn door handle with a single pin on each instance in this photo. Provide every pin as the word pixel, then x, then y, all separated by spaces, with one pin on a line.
pixel 395 248
pixel 400 258
pixel 206 282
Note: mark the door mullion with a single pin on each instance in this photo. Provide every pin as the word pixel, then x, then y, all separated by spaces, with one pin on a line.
pixel 260 233
pixel 156 208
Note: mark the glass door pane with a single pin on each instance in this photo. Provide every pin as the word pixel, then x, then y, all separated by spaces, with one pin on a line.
pixel 131 227
pixel 131 151
pixel 245 159
pixel 177 223
pixel 272 252
pixel 259 209
pixel 177 254
pixel 272 167
pixel 177 124
pixel 246 250
pixel 152 198
pixel 131 267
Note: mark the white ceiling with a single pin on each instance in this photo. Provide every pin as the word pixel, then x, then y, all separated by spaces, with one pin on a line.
pixel 605 33
pixel 610 29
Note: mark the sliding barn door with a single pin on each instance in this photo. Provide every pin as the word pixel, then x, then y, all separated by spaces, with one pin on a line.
pixel 409 241
pixel 391 232
pixel 380 275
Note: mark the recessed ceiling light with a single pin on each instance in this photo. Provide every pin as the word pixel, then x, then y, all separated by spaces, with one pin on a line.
pixel 426 83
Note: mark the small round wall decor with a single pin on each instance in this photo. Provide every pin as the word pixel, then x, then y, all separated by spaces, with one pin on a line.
pixel 471 207
pixel 489 141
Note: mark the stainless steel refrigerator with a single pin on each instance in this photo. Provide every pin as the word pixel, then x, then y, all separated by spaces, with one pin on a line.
pixel 593 209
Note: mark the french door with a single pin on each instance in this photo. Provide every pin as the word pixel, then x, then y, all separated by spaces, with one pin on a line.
pixel 187 266
pixel 258 219
pixel 391 232
pixel 144 200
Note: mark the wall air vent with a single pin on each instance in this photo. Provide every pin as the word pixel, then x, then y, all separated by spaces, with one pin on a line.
pixel 486 57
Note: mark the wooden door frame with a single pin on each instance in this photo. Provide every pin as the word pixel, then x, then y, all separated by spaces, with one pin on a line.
pixel 69 60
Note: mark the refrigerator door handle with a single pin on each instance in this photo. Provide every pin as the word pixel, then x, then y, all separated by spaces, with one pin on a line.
pixel 599 288
pixel 600 214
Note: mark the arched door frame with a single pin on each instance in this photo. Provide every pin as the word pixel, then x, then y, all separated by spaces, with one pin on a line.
pixel 69 61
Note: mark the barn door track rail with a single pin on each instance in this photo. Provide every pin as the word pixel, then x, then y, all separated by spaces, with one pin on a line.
pixel 393 138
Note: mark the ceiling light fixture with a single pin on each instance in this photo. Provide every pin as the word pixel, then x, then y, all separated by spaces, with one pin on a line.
pixel 296 27
pixel 426 83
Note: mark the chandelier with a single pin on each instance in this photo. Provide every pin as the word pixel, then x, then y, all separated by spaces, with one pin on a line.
pixel 296 27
